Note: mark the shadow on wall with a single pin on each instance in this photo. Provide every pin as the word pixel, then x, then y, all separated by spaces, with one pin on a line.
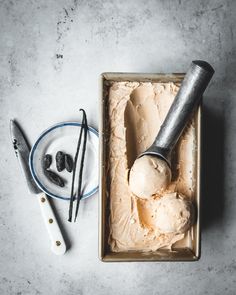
pixel 212 194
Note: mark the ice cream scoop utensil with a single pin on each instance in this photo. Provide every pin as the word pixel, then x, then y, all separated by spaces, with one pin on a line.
pixel 187 99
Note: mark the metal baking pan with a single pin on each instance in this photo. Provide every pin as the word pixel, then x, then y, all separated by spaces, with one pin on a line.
pixel 105 253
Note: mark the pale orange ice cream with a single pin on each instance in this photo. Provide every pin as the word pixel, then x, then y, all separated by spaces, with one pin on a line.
pixel 149 175
pixel 173 213
pixel 136 111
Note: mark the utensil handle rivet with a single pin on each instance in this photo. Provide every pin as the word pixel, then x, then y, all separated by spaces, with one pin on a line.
pixel 43 200
pixel 58 243
pixel 50 220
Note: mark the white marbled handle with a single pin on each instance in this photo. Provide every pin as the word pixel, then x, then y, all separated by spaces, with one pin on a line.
pixel 58 244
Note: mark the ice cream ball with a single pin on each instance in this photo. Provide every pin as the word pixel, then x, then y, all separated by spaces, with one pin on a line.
pixel 174 213
pixel 148 176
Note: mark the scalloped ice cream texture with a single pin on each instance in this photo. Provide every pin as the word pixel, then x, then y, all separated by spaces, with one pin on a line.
pixel 173 213
pixel 148 176
pixel 136 112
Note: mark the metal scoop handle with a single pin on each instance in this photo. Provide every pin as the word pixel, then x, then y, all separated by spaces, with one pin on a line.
pixel 187 99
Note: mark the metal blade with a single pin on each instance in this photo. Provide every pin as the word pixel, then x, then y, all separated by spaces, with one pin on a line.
pixel 22 152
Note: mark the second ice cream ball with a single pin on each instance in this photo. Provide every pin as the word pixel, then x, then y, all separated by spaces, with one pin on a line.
pixel 174 214
pixel 148 176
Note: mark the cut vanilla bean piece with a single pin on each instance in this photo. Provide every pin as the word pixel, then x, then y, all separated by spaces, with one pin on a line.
pixel 68 163
pixel 74 171
pixel 79 194
pixel 53 177
pixel 60 161
pixel 47 161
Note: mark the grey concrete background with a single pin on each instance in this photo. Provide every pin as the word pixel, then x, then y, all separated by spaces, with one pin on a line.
pixel 51 55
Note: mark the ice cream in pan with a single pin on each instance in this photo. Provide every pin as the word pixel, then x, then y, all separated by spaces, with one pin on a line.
pixel 151 206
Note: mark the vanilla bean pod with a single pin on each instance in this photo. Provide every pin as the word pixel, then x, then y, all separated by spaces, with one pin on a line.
pixel 74 170
pixel 79 194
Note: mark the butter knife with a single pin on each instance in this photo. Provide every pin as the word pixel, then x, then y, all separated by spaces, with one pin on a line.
pixel 22 152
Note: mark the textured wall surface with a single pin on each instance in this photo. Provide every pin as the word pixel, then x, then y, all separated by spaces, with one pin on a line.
pixel 51 55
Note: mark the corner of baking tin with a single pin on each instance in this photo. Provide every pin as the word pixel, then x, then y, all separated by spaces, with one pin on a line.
pixel 100 255
pixel 103 258
pixel 198 257
pixel 105 75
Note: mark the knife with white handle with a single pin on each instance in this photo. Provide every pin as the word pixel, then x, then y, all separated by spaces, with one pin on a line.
pixel 22 151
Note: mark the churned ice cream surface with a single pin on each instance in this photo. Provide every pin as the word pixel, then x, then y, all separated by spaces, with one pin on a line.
pixel 149 175
pixel 173 213
pixel 136 112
